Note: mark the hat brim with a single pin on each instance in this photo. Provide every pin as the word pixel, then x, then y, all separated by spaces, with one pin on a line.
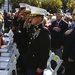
pixel 34 15
pixel 21 8
pixel 28 11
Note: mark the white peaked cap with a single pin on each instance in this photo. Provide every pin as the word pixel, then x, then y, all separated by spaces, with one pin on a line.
pixel 22 5
pixel 17 9
pixel 38 11
pixel 28 9
pixel 27 5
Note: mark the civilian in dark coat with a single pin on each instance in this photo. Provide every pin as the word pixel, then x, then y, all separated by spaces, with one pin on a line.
pixel 69 54
pixel 57 29
pixel 69 49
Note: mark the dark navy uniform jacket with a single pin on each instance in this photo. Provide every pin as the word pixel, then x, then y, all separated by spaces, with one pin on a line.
pixel 17 32
pixel 57 37
pixel 38 46
pixel 25 36
pixel 69 47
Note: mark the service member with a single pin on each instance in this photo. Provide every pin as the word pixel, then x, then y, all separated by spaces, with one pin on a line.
pixel 18 24
pixel 38 44
pixel 24 37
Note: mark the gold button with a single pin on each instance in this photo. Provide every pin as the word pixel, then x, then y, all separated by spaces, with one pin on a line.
pixel 33 55
pixel 31 38
pixel 29 42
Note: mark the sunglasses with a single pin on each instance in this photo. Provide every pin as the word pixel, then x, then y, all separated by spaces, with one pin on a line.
pixel 73 14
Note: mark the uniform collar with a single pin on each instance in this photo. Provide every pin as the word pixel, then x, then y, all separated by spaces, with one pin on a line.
pixel 38 26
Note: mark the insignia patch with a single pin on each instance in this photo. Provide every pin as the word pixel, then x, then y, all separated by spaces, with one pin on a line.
pixel 36 33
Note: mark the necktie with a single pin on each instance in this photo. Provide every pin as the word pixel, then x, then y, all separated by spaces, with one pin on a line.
pixel 57 24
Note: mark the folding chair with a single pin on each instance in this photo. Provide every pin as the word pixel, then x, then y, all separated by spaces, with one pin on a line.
pixel 8 65
pixel 7 56
pixel 49 70
pixel 3 72
pixel 8 68
pixel 16 52
pixel 8 37
pixel 10 34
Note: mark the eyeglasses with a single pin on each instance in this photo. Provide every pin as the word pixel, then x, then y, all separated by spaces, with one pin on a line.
pixel 73 14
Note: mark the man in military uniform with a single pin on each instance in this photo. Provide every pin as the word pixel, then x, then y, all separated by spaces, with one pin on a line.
pixel 24 37
pixel 38 43
pixel 18 25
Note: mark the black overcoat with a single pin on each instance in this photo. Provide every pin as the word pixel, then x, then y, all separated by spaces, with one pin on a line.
pixel 69 47
pixel 38 47
pixel 57 37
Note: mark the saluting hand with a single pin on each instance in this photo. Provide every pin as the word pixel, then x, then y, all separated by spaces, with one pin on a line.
pixel 27 22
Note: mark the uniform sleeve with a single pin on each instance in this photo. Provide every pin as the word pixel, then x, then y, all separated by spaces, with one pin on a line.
pixel 24 32
pixel 45 44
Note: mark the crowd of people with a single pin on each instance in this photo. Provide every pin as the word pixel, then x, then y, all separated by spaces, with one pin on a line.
pixel 36 32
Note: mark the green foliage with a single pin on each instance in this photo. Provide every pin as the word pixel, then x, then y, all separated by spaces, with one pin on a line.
pixel 37 3
pixel 65 4
pixel 71 4
pixel 52 5
pixel 1 1
pixel 31 2
pixel 15 3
